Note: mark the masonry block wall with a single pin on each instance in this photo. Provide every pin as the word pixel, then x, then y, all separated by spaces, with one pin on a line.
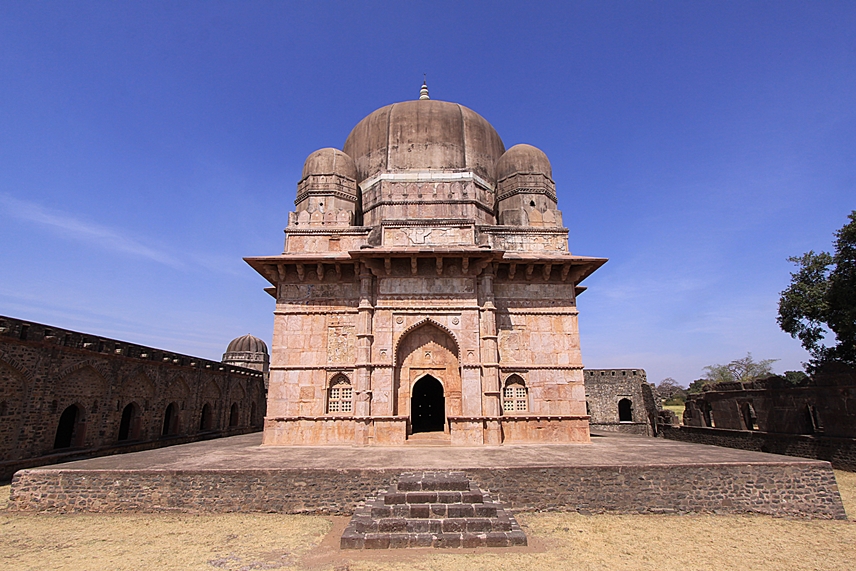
pixel 620 400
pixel 64 392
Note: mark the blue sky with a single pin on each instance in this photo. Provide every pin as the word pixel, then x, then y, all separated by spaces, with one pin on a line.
pixel 146 147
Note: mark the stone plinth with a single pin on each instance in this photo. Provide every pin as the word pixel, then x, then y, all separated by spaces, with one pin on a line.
pixel 615 474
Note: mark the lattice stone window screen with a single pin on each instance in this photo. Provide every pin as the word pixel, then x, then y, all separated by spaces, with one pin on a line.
pixel 514 396
pixel 341 396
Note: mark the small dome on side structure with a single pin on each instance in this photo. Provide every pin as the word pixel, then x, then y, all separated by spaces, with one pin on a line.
pixel 329 161
pixel 328 190
pixel 250 352
pixel 247 343
pixel 525 191
pixel 523 159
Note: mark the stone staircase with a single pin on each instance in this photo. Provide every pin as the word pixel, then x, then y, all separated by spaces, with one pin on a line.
pixel 431 509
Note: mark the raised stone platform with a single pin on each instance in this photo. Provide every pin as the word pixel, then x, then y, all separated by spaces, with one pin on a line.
pixel 432 509
pixel 615 473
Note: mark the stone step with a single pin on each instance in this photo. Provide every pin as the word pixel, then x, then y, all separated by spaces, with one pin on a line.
pixel 418 525
pixel 433 481
pixel 416 517
pixel 429 439
pixel 457 497
pixel 434 511
pixel 355 540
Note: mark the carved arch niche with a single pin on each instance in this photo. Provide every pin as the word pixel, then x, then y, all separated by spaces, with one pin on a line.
pixel 138 386
pixel 83 381
pixel 427 349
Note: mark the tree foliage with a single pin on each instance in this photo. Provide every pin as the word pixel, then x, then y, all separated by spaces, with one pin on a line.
pixel 670 390
pixel 697 386
pixel 821 298
pixel 795 377
pixel 740 370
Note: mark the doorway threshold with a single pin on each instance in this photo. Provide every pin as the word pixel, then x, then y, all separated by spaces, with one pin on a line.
pixel 429 439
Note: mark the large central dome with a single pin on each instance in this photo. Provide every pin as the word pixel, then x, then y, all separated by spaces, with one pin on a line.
pixel 424 135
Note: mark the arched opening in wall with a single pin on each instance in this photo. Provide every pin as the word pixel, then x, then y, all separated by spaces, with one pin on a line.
pixel 428 406
pixel 253 414
pixel 170 420
pixel 340 396
pixel 233 415
pixel 707 414
pixel 812 420
pixel 514 397
pixel 129 425
pixel 749 417
pixel 625 410
pixel 427 348
pixel 68 427
pixel 4 408
pixel 205 417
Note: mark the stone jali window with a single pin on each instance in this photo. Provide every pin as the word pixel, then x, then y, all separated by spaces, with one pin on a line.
pixel 341 396
pixel 514 397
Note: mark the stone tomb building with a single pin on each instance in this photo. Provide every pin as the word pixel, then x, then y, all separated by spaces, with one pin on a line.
pixel 425 286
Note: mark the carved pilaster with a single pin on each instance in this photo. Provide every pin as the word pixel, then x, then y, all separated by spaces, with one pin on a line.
pixel 489 352
pixel 363 381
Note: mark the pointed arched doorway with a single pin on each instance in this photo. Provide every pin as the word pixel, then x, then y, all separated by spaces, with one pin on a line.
pixel 428 406
pixel 427 361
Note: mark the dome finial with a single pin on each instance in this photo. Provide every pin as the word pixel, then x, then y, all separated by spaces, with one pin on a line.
pixel 423 93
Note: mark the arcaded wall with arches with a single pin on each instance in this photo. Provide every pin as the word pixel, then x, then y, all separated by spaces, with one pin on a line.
pixel 68 394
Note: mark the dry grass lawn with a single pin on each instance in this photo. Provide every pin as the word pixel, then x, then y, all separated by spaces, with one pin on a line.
pixel 557 541
pixel 678 409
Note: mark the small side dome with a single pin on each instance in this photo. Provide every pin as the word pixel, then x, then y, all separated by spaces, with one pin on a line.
pixel 247 344
pixel 523 159
pixel 330 161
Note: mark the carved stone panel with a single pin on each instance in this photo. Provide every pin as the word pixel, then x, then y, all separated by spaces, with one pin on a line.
pixel 533 291
pixel 531 242
pixel 511 344
pixel 417 286
pixel 306 292
pixel 340 344
pixel 421 236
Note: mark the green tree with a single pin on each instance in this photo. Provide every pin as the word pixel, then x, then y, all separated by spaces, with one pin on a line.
pixel 697 386
pixel 670 390
pixel 821 298
pixel 739 370
pixel 795 377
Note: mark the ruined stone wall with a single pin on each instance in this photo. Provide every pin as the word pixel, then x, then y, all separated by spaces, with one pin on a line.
pixel 824 405
pixel 605 391
pixel 64 393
